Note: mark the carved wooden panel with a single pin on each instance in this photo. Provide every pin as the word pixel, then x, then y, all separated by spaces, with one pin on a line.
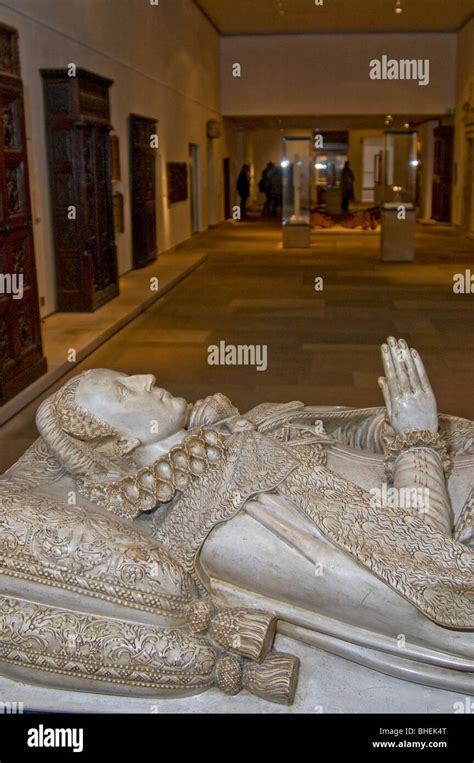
pixel 143 177
pixel 77 120
pixel 21 357
pixel 58 98
pixel 9 57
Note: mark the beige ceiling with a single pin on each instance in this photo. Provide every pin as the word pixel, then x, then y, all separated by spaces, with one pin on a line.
pixel 300 16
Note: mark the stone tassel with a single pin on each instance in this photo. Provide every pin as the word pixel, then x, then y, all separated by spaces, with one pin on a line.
pixel 246 632
pixel 274 679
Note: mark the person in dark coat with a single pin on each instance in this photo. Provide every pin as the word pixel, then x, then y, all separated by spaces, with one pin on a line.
pixel 347 186
pixel 264 187
pixel 243 189
pixel 276 190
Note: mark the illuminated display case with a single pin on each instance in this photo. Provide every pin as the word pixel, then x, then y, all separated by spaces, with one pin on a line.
pixel 296 169
pixel 400 165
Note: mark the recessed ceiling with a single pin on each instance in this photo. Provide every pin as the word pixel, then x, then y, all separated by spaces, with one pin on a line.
pixel 304 16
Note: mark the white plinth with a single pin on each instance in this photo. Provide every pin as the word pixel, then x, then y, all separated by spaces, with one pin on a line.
pixel 296 236
pixel 397 241
pixel 327 684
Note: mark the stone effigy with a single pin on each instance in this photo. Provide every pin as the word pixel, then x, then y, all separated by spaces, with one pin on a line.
pixel 152 548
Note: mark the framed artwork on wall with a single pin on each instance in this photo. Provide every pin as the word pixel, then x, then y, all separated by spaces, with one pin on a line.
pixel 177 173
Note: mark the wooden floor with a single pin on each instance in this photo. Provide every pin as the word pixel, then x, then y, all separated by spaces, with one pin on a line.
pixel 323 347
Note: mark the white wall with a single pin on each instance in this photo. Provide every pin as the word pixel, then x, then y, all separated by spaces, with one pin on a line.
pixel 329 74
pixel 464 94
pixel 355 155
pixel 164 61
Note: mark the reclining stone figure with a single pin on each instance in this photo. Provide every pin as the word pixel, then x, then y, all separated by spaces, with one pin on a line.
pixel 149 547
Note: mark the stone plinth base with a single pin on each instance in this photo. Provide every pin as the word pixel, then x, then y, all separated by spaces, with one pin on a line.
pixel 296 236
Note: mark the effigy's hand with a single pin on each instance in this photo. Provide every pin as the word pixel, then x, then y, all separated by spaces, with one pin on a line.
pixel 411 404
pixel 211 410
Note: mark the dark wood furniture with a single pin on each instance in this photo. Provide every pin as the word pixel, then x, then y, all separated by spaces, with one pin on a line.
pixel 21 355
pixel 78 125
pixel 177 176
pixel 442 173
pixel 143 179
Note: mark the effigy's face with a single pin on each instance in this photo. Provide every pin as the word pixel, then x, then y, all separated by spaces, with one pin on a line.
pixel 132 404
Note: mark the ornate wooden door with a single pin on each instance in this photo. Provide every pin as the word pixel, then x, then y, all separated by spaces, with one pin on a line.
pixel 99 245
pixel 143 180
pixel 21 356
pixel 442 173
pixel 78 126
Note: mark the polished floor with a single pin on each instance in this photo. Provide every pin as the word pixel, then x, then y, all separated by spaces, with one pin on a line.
pixel 322 346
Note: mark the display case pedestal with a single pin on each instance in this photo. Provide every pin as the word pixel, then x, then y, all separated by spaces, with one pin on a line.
pixel 296 236
pixel 397 241
pixel 333 201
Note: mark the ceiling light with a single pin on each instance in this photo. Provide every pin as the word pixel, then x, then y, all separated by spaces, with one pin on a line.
pixel 398 7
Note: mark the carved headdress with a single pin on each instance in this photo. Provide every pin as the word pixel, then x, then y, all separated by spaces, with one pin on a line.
pixel 91 450
pixel 73 434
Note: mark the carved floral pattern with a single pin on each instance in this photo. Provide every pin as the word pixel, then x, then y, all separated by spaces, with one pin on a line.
pixel 13 189
pixel 25 325
pixel 87 552
pixel 103 649
pixel 9 58
pixel 4 341
pixel 431 570
pixel 10 131
pixel 253 464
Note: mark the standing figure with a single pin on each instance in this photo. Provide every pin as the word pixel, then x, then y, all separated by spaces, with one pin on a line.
pixel 243 189
pixel 347 186
pixel 276 190
pixel 264 187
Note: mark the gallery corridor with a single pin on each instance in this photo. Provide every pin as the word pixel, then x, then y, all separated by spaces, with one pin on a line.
pixel 322 345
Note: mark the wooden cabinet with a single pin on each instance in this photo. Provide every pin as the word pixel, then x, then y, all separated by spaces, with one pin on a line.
pixel 78 126
pixel 143 180
pixel 21 356
pixel 442 173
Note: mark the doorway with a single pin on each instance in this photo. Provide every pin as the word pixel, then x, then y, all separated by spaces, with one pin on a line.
pixel 371 152
pixel 211 185
pixel 195 187
pixel 227 209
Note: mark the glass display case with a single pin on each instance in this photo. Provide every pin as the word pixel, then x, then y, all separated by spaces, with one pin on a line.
pixel 296 169
pixel 400 168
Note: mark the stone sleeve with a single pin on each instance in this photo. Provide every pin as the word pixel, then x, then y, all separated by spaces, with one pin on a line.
pixel 420 470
